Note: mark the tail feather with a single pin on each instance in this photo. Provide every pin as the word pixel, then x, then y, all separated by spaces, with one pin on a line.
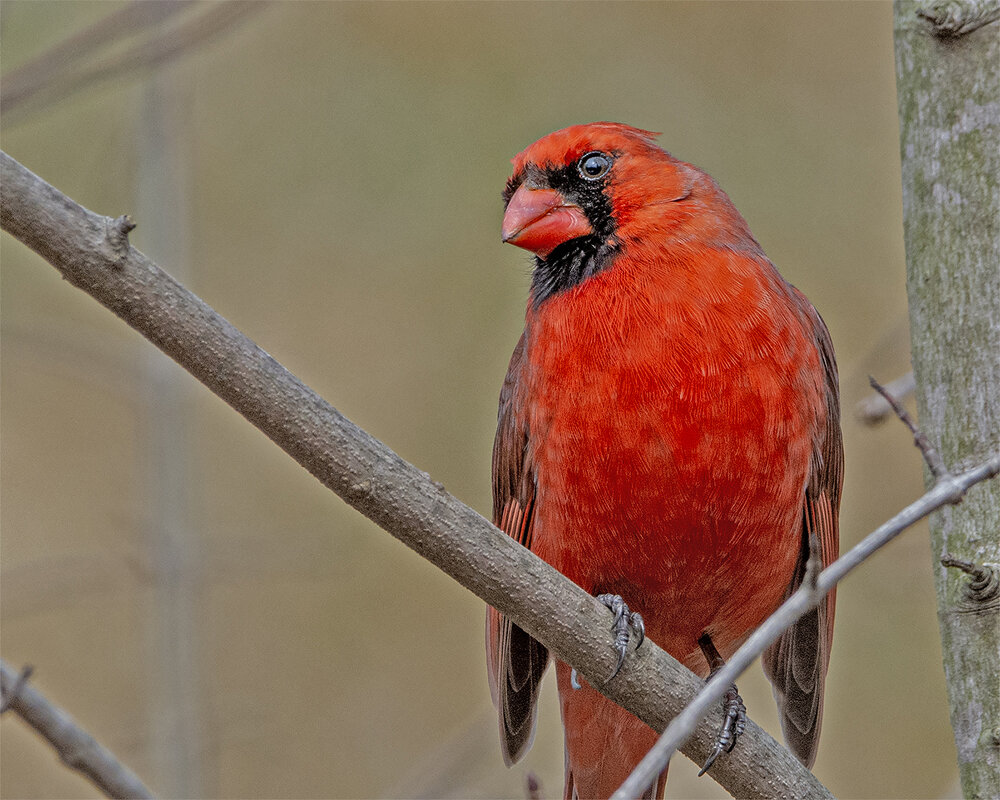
pixel 604 742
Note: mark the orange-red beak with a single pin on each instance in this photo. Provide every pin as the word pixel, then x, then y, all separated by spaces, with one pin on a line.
pixel 540 220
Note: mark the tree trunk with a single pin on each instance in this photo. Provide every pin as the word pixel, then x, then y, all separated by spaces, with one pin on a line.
pixel 948 78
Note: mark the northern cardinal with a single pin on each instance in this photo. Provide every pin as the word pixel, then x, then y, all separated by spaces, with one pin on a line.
pixel 668 438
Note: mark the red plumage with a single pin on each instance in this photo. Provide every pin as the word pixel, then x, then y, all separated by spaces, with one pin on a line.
pixel 668 432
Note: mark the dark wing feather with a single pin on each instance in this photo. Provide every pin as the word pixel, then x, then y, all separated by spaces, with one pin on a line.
pixel 796 664
pixel 515 661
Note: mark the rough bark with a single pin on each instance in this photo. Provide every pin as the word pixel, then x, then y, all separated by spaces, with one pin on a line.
pixel 948 77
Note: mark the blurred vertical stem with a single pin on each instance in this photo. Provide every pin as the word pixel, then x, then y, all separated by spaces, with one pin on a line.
pixel 948 80
pixel 172 544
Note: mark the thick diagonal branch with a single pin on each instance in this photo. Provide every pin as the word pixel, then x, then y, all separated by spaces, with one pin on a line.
pixel 92 253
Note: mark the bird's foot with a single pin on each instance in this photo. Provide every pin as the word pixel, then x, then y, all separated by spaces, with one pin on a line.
pixel 625 621
pixel 734 722
pixel 734 713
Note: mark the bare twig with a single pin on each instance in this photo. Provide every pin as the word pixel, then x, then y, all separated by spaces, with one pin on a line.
pixel 77 748
pixel 369 476
pixel 948 489
pixel 874 408
pixel 930 453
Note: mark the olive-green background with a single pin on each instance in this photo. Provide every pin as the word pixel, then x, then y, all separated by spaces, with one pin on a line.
pixel 333 177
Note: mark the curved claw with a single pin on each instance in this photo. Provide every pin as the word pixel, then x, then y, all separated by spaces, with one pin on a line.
pixel 734 722
pixel 640 628
pixel 623 623
pixel 618 665
pixel 716 752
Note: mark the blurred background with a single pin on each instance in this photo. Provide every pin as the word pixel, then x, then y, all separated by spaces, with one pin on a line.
pixel 328 177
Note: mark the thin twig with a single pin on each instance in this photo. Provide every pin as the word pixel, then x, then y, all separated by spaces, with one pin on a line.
pixel 948 489
pixel 874 408
pixel 930 453
pixel 77 748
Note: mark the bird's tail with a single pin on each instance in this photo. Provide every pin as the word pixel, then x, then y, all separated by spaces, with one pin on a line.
pixel 604 742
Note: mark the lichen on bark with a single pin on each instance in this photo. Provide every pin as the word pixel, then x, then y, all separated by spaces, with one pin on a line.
pixel 948 81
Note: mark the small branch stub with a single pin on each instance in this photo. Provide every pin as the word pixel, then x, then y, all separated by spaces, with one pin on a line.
pixel 8 698
pixel 982 590
pixel 118 231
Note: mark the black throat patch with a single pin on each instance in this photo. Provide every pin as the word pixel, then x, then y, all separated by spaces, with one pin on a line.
pixel 571 263
pixel 574 261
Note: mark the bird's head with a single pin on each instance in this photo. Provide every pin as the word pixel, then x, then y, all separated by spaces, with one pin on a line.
pixel 577 194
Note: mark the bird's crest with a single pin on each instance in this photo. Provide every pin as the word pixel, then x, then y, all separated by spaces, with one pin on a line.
pixel 567 145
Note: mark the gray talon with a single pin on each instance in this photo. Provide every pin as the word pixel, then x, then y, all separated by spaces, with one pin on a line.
pixel 734 722
pixel 623 623
pixel 640 628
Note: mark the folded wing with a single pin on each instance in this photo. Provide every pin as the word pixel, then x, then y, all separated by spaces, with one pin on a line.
pixel 797 663
pixel 515 661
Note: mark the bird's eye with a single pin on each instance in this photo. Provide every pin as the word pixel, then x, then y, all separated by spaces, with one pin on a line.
pixel 593 166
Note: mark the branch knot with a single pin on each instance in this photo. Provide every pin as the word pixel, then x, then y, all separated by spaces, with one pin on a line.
pixel 982 590
pixel 117 235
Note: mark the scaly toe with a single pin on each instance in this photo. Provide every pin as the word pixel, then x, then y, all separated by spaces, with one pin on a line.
pixel 624 622
pixel 734 721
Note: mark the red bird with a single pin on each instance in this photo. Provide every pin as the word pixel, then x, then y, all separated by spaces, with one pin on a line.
pixel 668 438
